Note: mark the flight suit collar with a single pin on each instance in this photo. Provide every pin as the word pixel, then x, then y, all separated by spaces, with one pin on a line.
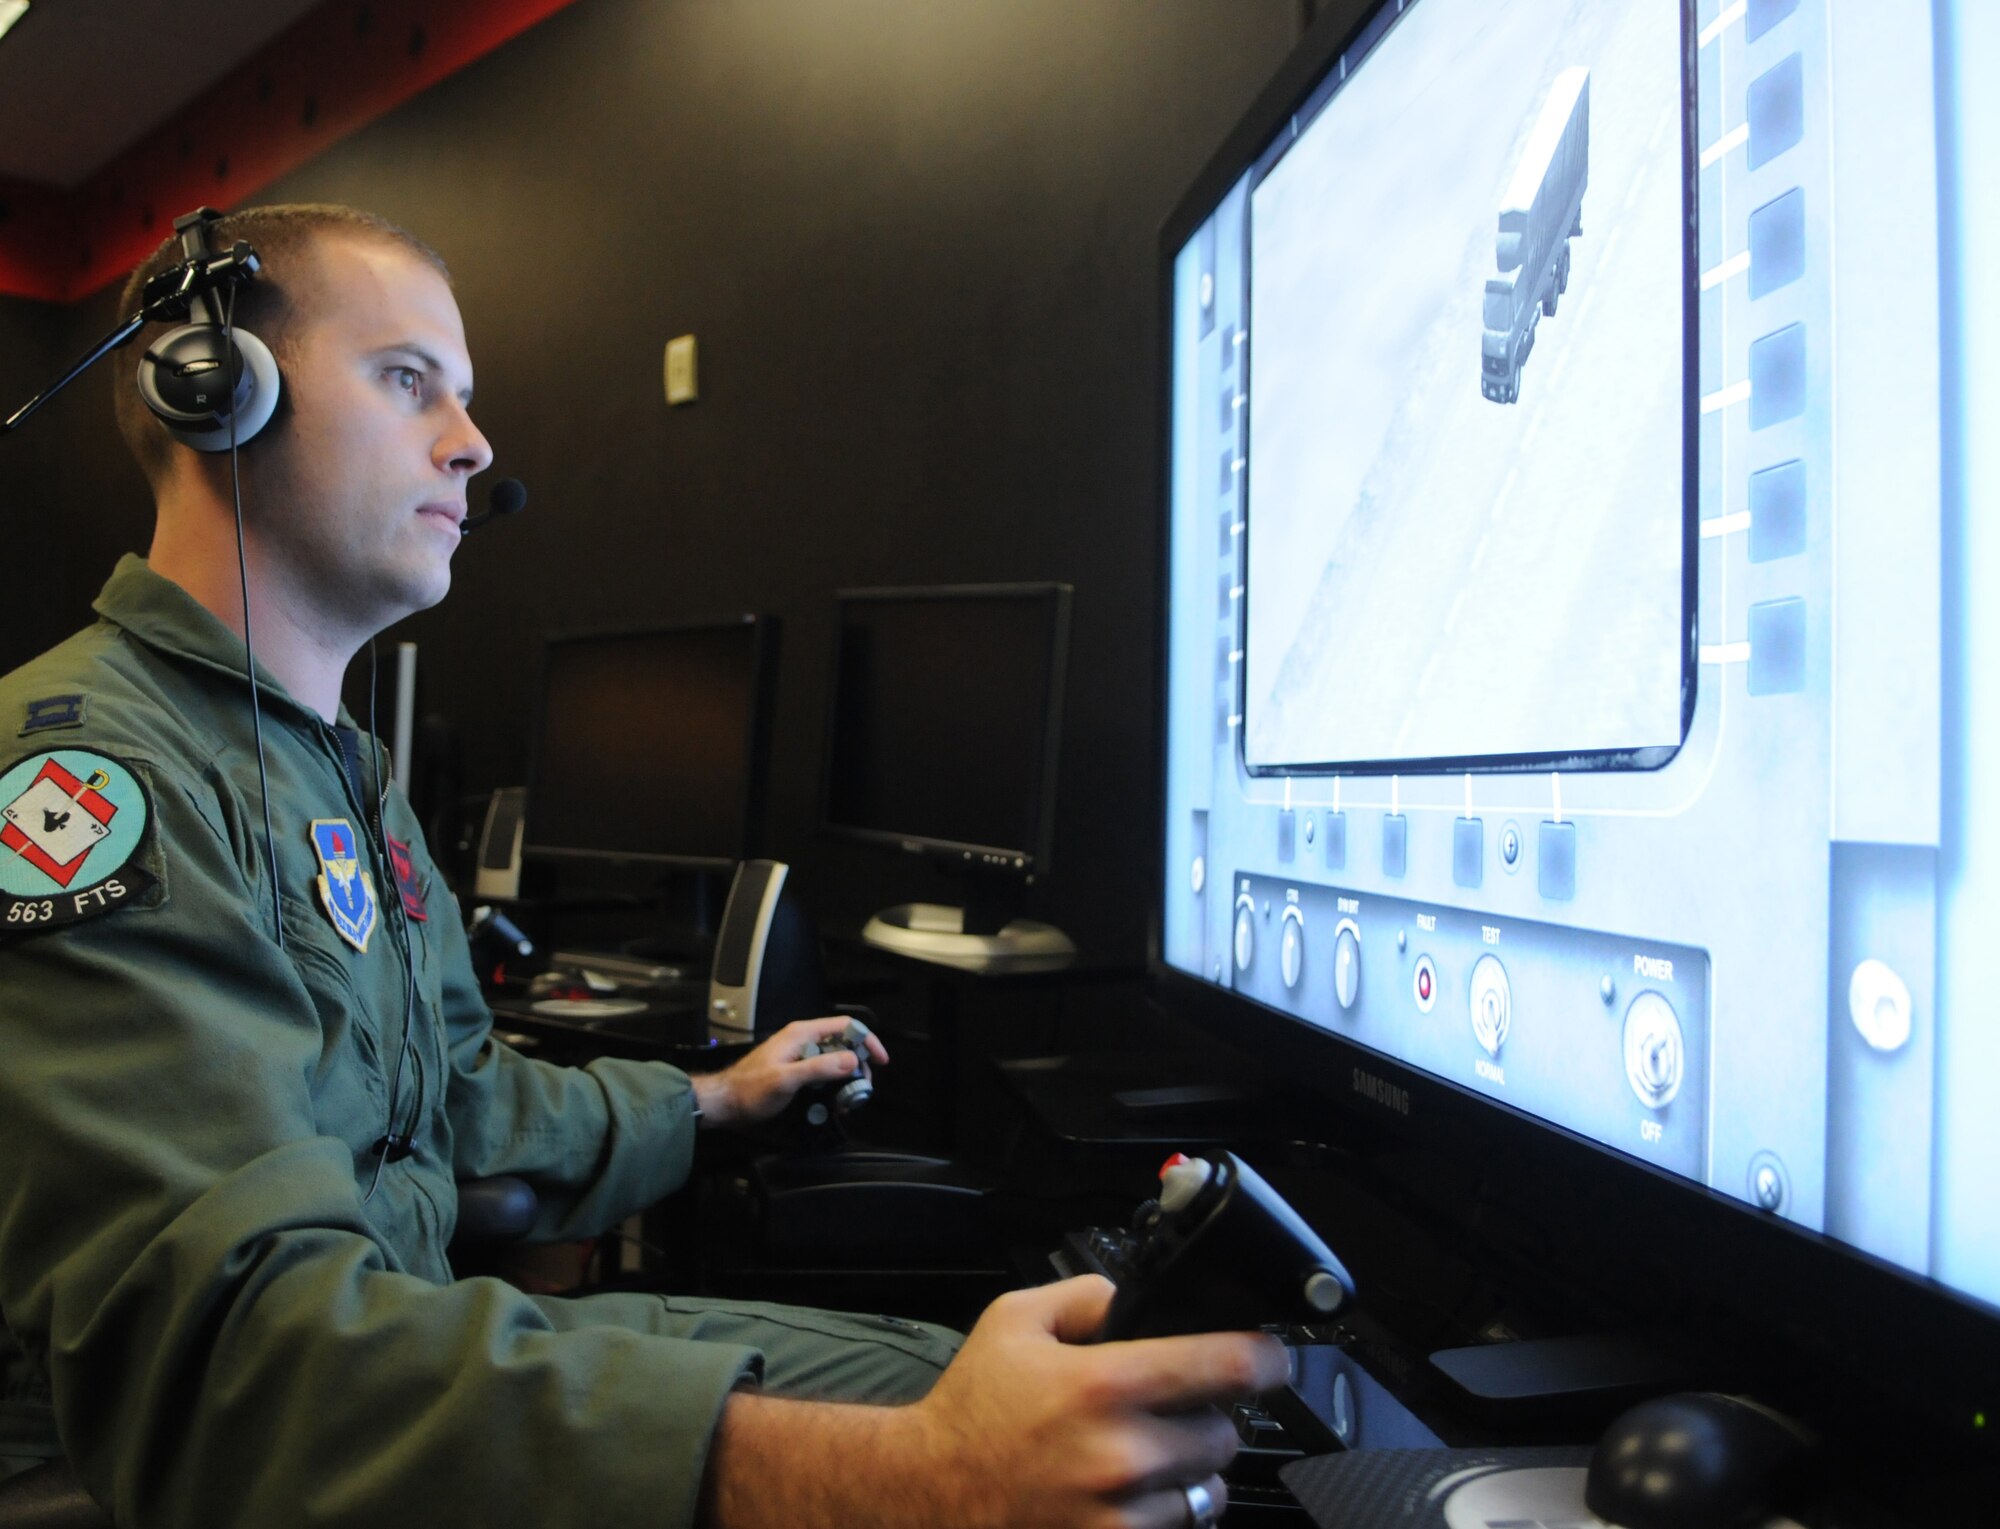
pixel 159 613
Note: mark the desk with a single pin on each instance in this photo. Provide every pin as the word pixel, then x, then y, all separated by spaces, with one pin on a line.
pixel 674 1032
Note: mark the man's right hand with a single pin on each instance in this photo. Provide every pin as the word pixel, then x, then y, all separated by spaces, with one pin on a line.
pixel 1041 1427
pixel 1032 1425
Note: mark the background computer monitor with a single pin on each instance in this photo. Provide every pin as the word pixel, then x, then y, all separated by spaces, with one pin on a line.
pixel 943 730
pixel 651 746
pixel 1571 710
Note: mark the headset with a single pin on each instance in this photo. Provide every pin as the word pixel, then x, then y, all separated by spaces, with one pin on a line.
pixel 179 376
pixel 213 385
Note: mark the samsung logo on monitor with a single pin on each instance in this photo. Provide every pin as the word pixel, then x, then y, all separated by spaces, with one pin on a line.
pixel 1383 1093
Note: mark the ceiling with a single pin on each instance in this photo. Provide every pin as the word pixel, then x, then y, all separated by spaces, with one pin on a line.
pixel 81 80
pixel 113 115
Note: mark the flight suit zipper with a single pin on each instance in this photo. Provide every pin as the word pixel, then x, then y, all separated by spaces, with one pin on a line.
pixel 345 744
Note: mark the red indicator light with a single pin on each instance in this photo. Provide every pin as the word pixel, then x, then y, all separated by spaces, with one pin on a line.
pixel 1423 984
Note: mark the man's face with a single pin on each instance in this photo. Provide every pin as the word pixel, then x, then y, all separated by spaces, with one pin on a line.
pixel 358 498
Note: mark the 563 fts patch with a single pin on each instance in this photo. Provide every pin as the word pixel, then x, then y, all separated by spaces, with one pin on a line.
pixel 72 824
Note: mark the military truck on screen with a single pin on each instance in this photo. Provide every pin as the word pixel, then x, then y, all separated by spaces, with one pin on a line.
pixel 1540 213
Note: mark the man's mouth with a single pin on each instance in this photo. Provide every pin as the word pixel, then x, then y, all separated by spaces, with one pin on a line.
pixel 450 511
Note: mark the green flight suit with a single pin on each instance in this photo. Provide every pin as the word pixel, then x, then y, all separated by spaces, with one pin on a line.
pixel 200 1310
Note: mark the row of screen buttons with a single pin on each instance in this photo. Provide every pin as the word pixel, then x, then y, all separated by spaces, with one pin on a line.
pixel 1654 1048
pixel 1555 844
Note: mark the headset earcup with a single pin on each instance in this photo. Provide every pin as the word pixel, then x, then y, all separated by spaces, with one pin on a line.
pixel 187 416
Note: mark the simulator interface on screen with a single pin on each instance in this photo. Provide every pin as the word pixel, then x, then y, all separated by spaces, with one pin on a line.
pixel 1563 696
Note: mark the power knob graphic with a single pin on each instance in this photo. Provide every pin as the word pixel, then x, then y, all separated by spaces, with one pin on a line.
pixel 1492 1002
pixel 1347 963
pixel 1655 1053
pixel 1246 931
pixel 1292 947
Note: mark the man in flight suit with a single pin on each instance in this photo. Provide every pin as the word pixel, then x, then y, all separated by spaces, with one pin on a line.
pixel 240 1074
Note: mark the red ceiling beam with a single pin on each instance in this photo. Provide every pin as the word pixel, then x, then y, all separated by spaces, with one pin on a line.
pixel 330 73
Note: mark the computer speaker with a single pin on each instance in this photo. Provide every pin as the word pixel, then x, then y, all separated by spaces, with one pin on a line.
pixel 766 971
pixel 498 874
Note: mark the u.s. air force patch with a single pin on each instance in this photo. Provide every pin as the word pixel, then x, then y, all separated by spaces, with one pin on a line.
pixel 347 891
pixel 72 825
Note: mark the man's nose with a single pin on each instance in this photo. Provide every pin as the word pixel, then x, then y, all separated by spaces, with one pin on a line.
pixel 463 449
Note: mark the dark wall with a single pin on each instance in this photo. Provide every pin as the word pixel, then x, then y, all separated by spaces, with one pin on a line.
pixel 50 490
pixel 917 244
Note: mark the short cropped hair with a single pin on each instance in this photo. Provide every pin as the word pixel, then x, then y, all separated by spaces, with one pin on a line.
pixel 282 235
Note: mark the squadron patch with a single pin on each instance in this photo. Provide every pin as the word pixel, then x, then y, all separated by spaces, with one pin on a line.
pixel 72 825
pixel 344 887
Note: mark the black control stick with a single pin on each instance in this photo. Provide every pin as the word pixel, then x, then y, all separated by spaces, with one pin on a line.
pixel 1223 1252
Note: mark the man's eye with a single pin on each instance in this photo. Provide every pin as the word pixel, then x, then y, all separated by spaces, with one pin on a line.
pixel 407 378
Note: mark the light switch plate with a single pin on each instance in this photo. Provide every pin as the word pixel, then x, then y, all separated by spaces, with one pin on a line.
pixel 680 370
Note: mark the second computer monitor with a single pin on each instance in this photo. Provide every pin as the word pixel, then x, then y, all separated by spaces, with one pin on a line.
pixel 651 745
pixel 945 721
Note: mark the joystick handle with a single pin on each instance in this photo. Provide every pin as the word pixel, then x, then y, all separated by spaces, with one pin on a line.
pixel 860 1088
pixel 1224 1253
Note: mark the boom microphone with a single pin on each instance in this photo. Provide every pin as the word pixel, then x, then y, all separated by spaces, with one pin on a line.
pixel 509 497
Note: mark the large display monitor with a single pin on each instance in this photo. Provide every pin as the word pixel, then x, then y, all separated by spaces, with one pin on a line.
pixel 1576 686
pixel 943 732
pixel 652 745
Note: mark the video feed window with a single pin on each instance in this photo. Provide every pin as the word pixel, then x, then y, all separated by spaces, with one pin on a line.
pixel 1466 380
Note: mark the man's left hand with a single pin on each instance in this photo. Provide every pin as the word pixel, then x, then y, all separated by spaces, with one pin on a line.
pixel 765 1081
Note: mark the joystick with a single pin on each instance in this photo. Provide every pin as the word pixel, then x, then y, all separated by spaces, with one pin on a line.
pixel 857 1090
pixel 1221 1250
